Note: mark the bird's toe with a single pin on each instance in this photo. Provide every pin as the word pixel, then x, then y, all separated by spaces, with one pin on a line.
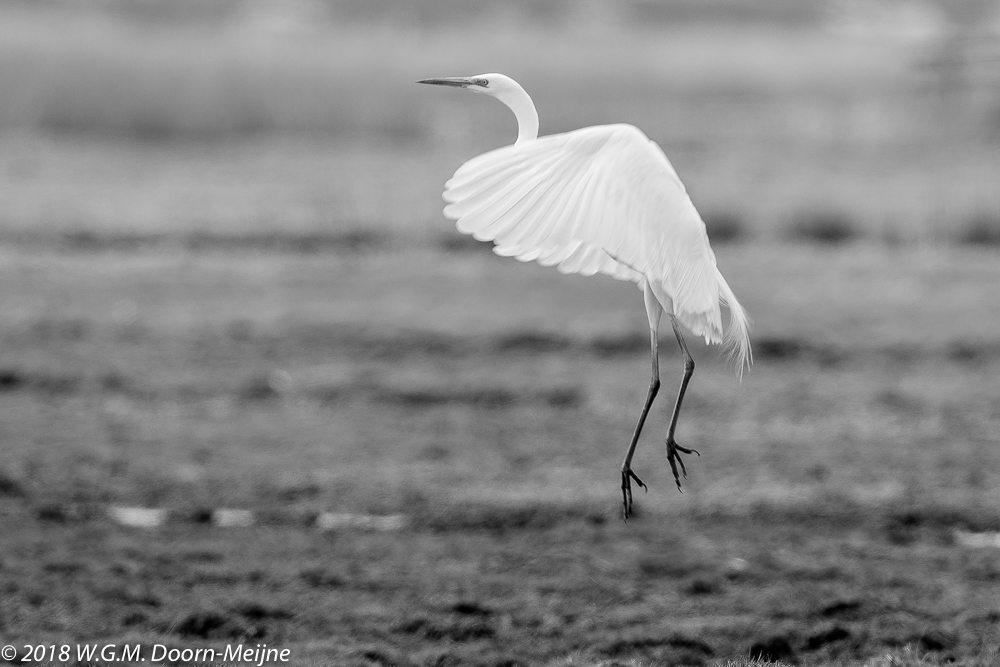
pixel 677 466
pixel 627 477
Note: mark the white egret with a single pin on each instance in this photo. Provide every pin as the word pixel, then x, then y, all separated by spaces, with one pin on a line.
pixel 601 199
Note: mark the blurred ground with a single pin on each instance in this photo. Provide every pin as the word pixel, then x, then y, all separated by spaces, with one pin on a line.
pixel 225 281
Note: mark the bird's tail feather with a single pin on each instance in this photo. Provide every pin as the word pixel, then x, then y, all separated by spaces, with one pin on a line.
pixel 737 337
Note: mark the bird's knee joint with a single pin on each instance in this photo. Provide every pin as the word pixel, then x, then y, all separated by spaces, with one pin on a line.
pixel 689 366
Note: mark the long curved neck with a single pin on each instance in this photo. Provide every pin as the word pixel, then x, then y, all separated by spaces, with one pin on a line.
pixel 524 110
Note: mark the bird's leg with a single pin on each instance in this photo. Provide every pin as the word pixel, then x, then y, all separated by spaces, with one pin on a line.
pixel 674 450
pixel 627 474
pixel 653 312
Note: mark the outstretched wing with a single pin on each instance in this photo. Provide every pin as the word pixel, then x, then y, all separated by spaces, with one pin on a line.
pixel 601 199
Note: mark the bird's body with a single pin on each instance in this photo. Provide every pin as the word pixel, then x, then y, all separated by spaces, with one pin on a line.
pixel 601 199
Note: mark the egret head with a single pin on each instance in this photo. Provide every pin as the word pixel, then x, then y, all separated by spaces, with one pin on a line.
pixel 504 89
pixel 492 84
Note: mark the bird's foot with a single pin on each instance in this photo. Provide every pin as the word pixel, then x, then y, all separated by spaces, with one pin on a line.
pixel 674 452
pixel 627 477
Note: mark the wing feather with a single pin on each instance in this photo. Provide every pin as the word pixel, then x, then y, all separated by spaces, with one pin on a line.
pixel 605 200
pixel 548 214
pixel 494 189
pixel 528 214
pixel 489 164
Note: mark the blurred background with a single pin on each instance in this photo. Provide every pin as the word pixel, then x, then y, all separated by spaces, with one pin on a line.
pixel 226 282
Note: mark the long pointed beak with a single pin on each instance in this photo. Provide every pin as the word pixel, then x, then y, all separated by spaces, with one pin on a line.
pixel 456 81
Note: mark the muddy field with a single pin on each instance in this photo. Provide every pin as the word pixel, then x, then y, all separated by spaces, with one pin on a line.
pixel 489 403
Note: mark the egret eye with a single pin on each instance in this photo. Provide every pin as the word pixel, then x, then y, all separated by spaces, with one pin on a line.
pixel 482 82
